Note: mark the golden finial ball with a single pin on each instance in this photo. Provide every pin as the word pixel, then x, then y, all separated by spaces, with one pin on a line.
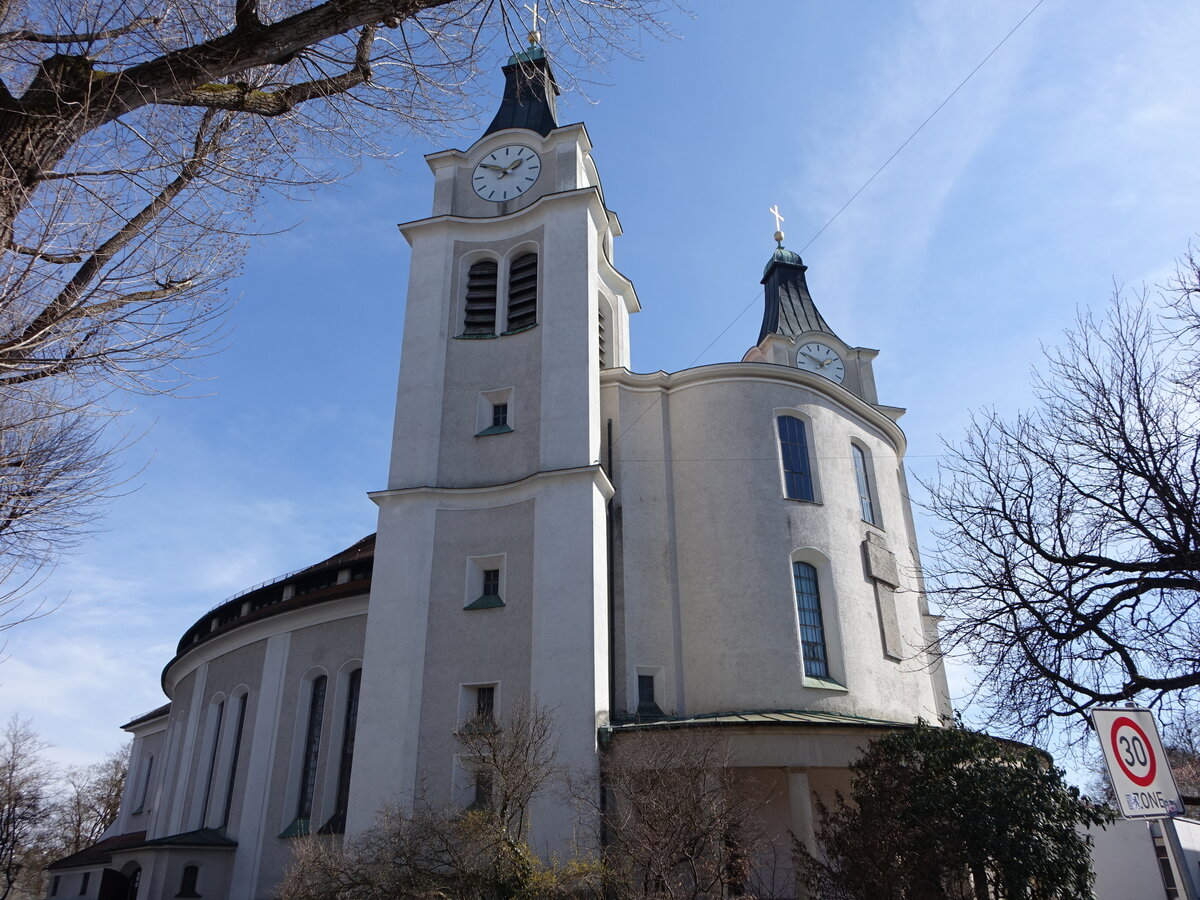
pixel 535 38
pixel 779 237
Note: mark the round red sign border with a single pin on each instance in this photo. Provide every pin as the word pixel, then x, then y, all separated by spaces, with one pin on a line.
pixel 1148 778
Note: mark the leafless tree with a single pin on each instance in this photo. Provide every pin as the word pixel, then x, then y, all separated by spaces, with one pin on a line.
pixel 77 806
pixel 26 781
pixel 477 852
pixel 679 820
pixel 1069 556
pixel 137 138
pixel 88 802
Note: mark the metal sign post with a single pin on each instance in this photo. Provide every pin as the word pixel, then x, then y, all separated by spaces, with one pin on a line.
pixel 1142 778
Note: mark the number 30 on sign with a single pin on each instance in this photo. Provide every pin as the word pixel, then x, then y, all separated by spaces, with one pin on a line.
pixel 1141 777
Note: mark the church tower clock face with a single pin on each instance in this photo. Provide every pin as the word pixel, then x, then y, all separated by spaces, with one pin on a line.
pixel 822 359
pixel 506 173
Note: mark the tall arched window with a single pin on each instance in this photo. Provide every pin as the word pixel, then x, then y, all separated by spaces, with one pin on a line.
pixel 522 292
pixel 793 449
pixel 145 792
pixel 234 755
pixel 216 719
pixel 481 298
pixel 337 822
pixel 812 628
pixel 862 476
pixel 312 749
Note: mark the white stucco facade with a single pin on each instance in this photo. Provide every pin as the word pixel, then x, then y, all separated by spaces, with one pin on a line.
pixel 625 550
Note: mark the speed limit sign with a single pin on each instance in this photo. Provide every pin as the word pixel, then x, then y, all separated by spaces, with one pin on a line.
pixel 1141 776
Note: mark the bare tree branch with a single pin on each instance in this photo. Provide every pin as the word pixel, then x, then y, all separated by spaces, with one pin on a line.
pixel 132 162
pixel 241 98
pixel 86 37
pixel 1069 557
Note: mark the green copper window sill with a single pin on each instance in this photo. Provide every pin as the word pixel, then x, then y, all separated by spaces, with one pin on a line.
pixel 824 684
pixel 298 828
pixel 494 429
pixel 519 330
pixel 475 337
pixel 487 601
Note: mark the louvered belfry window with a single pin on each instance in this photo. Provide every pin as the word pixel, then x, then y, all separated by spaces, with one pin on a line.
pixel 603 339
pixel 481 298
pixel 522 292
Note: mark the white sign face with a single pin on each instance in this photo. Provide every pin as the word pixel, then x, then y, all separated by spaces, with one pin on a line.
pixel 1141 776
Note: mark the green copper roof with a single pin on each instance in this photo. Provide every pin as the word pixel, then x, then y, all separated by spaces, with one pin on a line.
pixel 788 307
pixel 782 254
pixel 535 52
pixel 762 717
pixel 201 837
pixel 487 601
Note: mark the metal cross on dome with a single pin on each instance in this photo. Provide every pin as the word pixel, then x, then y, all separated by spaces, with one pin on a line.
pixel 774 210
pixel 534 35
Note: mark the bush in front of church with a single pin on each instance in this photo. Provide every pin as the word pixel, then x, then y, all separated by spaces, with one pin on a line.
pixel 948 813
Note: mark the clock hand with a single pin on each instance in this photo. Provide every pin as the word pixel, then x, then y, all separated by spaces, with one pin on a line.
pixel 497 168
pixel 813 358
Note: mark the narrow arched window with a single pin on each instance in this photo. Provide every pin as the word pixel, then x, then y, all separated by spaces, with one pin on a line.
pixel 145 793
pixel 862 477
pixel 812 628
pixel 235 754
pixel 187 884
pixel 337 822
pixel 481 298
pixel 522 292
pixel 793 449
pixel 218 719
pixel 312 749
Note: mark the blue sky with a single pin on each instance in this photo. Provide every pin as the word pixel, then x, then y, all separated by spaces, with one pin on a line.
pixel 1067 164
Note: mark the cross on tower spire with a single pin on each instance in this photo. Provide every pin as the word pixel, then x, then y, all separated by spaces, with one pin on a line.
pixel 535 36
pixel 774 210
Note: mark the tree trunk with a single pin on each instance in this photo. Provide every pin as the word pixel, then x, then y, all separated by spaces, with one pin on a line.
pixel 38 130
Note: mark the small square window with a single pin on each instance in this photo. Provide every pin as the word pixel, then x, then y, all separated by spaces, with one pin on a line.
pixel 484 582
pixel 494 412
pixel 477 706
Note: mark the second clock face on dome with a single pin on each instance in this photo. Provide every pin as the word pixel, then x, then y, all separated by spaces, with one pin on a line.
pixel 822 359
pixel 506 172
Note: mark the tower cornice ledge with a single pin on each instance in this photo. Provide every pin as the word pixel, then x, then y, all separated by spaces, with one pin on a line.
pixel 485 223
pixel 881 418
pixel 480 496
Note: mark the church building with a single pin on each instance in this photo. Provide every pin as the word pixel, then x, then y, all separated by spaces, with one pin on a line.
pixel 729 547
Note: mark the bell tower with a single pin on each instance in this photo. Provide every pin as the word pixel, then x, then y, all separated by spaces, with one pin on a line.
pixel 490 587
